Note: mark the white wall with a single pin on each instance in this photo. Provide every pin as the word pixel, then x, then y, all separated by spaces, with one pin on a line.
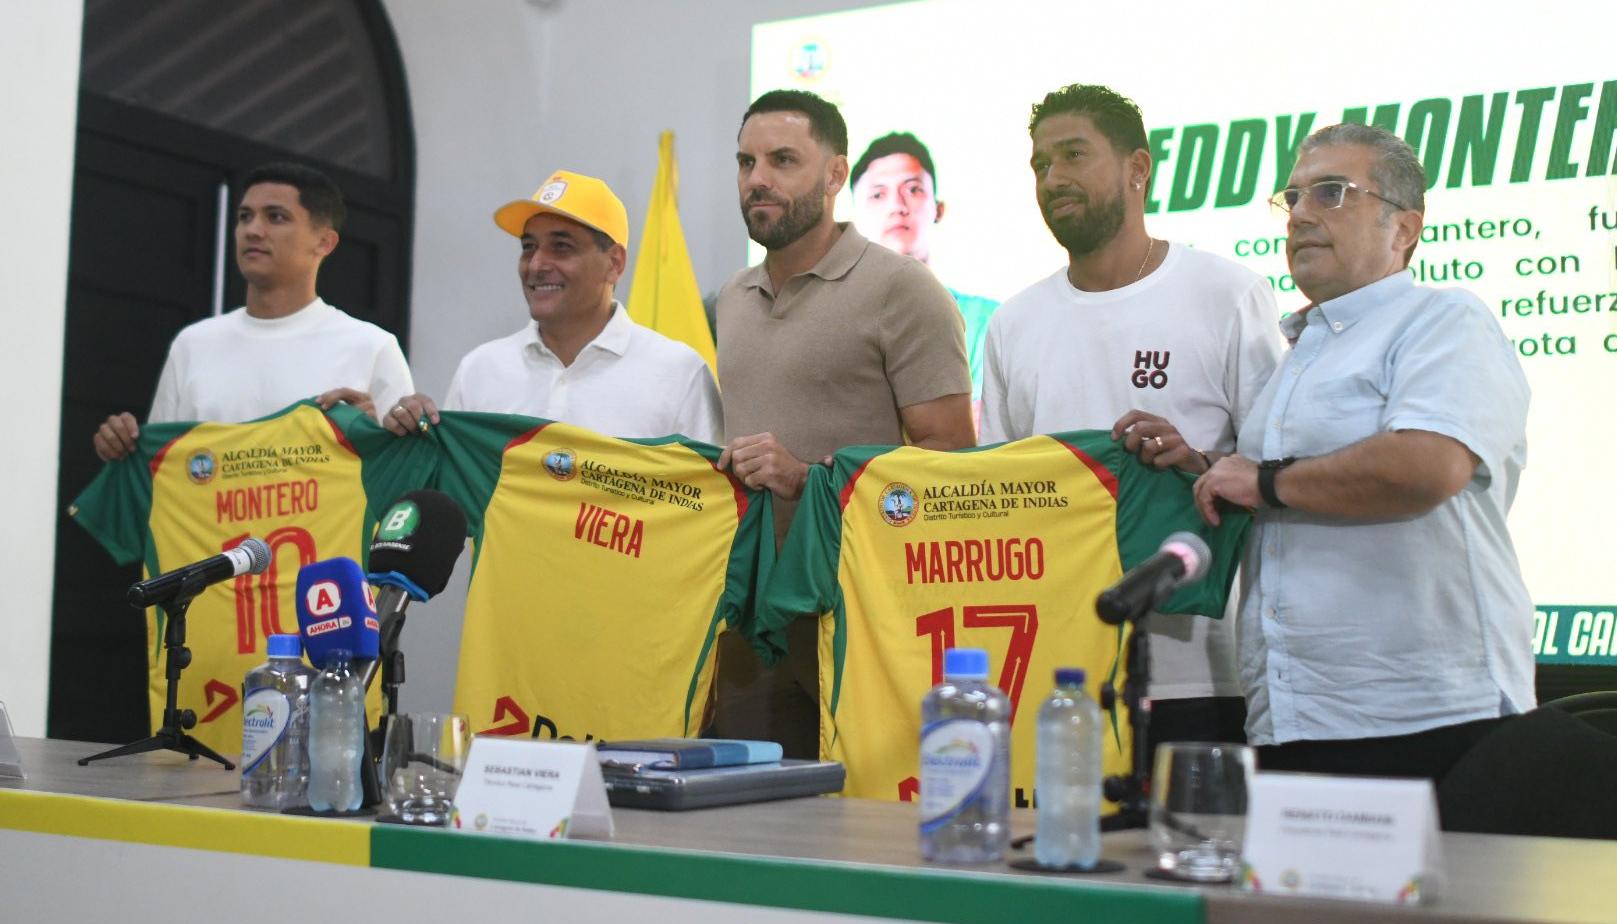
pixel 505 91
pixel 39 84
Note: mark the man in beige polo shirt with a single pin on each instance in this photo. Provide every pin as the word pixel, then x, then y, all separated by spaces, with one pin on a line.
pixel 830 342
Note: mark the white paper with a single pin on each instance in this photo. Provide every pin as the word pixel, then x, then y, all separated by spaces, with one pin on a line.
pixel 1342 837
pixel 541 790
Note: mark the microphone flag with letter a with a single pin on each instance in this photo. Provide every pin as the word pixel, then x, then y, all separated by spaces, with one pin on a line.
pixel 664 295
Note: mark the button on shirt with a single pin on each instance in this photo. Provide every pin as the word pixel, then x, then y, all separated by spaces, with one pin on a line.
pixel 629 382
pixel 1354 628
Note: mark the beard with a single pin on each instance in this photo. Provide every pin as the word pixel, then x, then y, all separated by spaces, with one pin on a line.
pixel 799 216
pixel 1086 232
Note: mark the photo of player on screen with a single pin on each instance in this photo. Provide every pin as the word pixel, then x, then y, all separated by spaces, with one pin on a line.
pixel 895 204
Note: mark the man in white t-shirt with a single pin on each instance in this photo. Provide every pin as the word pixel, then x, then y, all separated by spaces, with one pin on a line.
pixel 581 359
pixel 285 344
pixel 1132 324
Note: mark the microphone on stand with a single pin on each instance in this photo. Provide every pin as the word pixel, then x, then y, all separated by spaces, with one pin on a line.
pixel 1183 559
pixel 417 543
pixel 252 556
pixel 335 611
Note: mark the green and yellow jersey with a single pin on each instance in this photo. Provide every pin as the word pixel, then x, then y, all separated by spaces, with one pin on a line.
pixel 309 483
pixel 603 571
pixel 906 552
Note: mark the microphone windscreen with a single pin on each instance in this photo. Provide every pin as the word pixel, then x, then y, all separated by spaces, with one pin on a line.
pixel 336 610
pixel 1193 551
pixel 258 554
pixel 417 542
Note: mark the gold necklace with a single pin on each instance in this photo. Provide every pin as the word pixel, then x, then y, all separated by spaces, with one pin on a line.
pixel 1149 249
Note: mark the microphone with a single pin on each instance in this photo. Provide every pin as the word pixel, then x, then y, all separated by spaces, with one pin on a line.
pixel 417 543
pixel 335 610
pixel 252 556
pixel 1183 559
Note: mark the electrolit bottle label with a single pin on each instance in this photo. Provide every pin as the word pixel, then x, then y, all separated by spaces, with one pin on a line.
pixel 264 716
pixel 955 758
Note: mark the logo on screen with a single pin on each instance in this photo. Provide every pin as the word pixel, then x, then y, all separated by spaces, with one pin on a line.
pixel 897 504
pixel 201 466
pixel 809 59
pixel 561 463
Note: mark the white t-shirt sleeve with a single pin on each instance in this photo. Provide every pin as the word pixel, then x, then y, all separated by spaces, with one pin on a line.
pixel 701 415
pixel 1255 351
pixel 455 398
pixel 166 404
pixel 995 425
pixel 390 377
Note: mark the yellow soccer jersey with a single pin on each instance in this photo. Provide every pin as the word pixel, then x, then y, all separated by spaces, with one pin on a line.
pixel 907 552
pixel 308 483
pixel 603 571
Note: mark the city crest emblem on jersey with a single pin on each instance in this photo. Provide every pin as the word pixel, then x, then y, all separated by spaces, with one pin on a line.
pixel 561 463
pixel 552 192
pixel 201 466
pixel 897 504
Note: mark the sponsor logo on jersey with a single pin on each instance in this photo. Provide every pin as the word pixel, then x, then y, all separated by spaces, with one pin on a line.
pixel 561 463
pixel 897 504
pixel 322 598
pixel 552 192
pixel 329 625
pixel 201 467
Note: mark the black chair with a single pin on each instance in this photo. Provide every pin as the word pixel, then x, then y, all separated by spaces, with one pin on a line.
pixel 1598 709
pixel 1546 773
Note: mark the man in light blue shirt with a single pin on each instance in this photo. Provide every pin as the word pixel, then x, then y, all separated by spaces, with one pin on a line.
pixel 1385 626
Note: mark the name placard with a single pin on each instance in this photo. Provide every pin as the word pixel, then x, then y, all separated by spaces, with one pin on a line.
pixel 10 760
pixel 533 789
pixel 1342 837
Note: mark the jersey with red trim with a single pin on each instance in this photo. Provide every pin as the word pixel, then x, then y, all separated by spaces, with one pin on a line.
pixel 906 552
pixel 603 571
pixel 309 483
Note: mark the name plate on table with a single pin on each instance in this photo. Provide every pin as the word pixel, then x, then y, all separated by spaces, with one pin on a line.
pixel 533 789
pixel 1362 838
pixel 10 760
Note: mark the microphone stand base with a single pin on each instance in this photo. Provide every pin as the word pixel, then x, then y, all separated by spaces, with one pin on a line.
pixel 166 739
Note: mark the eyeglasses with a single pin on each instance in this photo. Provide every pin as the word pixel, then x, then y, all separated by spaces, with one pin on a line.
pixel 1326 194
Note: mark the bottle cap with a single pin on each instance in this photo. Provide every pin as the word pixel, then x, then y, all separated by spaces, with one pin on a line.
pixel 285 646
pixel 966 663
pixel 1070 676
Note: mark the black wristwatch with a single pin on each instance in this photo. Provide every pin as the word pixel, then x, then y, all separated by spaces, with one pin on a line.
pixel 1267 469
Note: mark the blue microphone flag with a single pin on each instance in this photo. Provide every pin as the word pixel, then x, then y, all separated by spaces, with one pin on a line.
pixel 336 610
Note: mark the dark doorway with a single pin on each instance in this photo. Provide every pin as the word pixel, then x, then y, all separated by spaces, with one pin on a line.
pixel 179 99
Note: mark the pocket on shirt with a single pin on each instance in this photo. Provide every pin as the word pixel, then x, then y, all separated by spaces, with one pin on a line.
pixel 1352 399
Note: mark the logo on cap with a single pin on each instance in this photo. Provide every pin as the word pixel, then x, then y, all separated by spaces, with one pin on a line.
pixel 552 192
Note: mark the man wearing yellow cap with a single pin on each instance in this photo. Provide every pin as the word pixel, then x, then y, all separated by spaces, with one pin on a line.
pixel 581 359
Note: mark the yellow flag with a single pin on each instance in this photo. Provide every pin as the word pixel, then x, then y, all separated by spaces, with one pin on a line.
pixel 664 295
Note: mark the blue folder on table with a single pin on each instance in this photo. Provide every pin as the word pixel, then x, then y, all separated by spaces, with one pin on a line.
pixel 686 753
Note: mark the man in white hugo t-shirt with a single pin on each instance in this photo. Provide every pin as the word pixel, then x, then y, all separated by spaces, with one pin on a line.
pixel 1132 324
pixel 581 359
pixel 285 344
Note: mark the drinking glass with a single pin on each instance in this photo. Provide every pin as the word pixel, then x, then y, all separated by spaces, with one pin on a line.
pixel 1198 809
pixel 423 754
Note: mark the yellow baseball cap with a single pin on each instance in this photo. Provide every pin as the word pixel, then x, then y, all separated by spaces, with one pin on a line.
pixel 584 199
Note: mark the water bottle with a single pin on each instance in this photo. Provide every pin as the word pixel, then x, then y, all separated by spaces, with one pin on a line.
pixel 1068 777
pixel 965 763
pixel 275 728
pixel 336 736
